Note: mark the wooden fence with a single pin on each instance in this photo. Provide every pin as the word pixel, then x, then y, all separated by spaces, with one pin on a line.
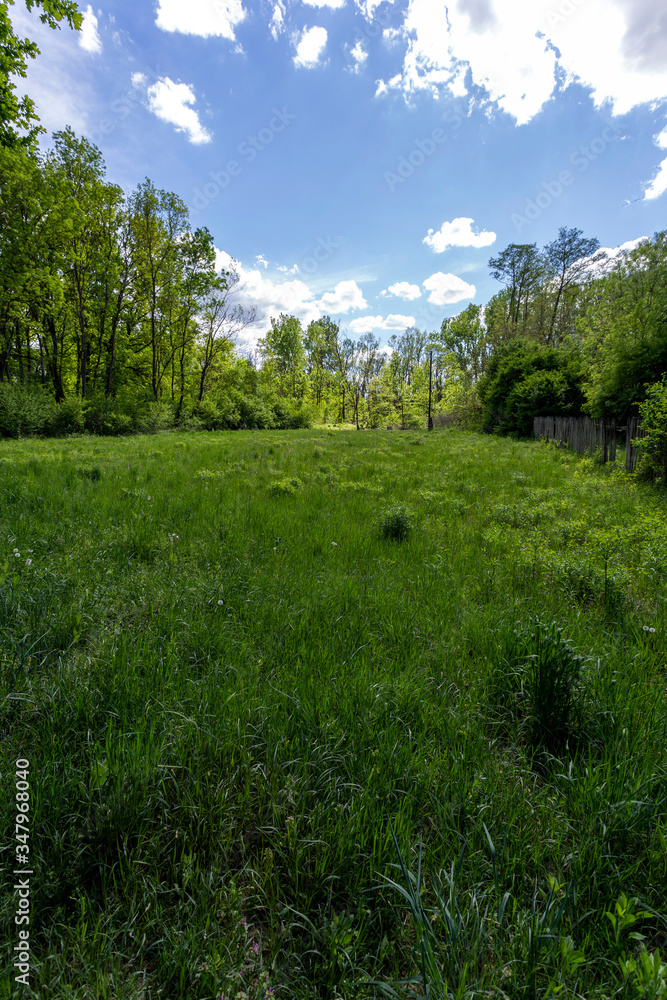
pixel 584 434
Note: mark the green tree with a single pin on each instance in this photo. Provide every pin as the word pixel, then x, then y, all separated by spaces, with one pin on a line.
pixel 568 261
pixel 521 268
pixel 623 329
pixel 18 117
pixel 524 380
pixel 284 356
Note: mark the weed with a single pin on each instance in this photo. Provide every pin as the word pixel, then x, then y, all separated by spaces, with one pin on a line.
pixel 396 523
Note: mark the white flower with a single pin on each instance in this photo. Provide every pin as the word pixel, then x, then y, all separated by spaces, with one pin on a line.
pixel 28 562
pixel 17 554
pixel 221 602
pixel 334 543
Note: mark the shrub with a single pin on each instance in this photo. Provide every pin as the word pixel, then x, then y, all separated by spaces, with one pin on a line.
pixel 653 446
pixel 396 524
pixel 24 410
pixel 523 380
pixel 67 417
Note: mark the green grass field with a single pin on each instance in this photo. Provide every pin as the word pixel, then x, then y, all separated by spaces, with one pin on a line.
pixel 275 750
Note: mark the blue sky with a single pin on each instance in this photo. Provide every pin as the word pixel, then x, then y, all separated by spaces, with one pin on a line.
pixel 365 159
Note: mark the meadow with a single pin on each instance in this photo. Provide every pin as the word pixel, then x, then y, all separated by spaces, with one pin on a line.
pixel 312 713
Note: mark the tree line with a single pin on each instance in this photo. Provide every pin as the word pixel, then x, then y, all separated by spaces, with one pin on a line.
pixel 114 317
pixel 112 311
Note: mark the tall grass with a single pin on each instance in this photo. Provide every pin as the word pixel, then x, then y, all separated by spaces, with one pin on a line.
pixel 245 705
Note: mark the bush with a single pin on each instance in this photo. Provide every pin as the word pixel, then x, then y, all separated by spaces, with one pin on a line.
pixel 24 411
pixel 103 416
pixel 523 380
pixel 67 417
pixel 653 446
pixel 396 524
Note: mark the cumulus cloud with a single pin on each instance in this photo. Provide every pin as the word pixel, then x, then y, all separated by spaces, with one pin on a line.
pixel 447 288
pixel 346 296
pixel 200 17
pixel 333 4
pixel 520 51
pixel 89 38
pixel 310 47
pixel 269 298
pixel 171 102
pixel 457 233
pixel 658 185
pixel 403 290
pixel 366 324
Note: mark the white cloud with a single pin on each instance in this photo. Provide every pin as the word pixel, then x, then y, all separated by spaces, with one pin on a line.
pixel 310 47
pixel 270 298
pixel 277 24
pixel 359 57
pixel 200 17
pixel 457 233
pixel 89 38
pixel 403 290
pixel 334 4
pixel 171 102
pixel 366 324
pixel 261 259
pixel 520 50
pixel 346 296
pixel 447 288
pixel 605 259
pixel 658 185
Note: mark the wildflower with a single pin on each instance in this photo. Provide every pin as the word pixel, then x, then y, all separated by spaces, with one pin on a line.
pixel 28 562
pixel 254 948
pixel 334 543
pixel 221 602
pixel 17 554
pixel 244 923
pixel 269 992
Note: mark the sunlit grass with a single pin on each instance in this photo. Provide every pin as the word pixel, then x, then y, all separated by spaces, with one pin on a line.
pixel 229 684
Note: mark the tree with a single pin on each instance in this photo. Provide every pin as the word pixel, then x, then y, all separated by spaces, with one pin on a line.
pixel 465 337
pixel 521 267
pixel 159 223
pixel 284 356
pixel 623 329
pixel 219 323
pixel 18 116
pixel 568 259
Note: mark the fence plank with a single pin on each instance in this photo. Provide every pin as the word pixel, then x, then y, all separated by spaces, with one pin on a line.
pixel 585 434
